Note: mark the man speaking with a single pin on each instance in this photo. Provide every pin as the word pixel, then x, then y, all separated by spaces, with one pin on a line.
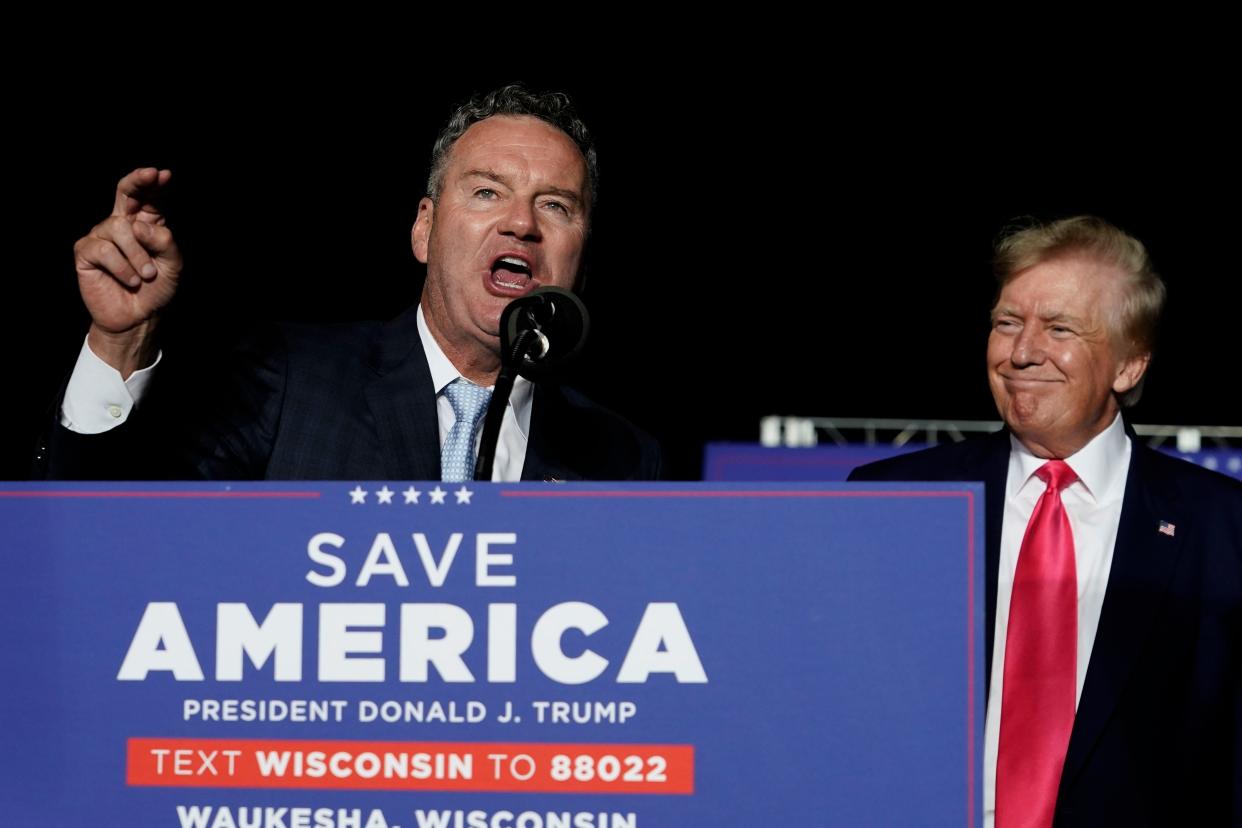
pixel 507 210
pixel 1114 592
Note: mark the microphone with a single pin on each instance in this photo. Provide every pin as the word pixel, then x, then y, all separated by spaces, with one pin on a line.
pixel 542 332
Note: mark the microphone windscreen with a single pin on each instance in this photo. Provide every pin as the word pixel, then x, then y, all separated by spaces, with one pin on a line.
pixel 559 316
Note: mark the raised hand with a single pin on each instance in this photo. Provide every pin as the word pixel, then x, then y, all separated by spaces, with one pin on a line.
pixel 128 266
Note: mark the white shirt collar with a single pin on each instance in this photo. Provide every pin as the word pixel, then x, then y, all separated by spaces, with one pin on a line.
pixel 1100 464
pixel 443 372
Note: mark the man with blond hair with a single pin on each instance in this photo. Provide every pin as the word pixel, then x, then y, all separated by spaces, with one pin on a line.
pixel 1114 572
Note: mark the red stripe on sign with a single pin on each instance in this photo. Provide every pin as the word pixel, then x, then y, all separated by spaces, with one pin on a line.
pixel 730 493
pixel 158 495
pixel 970 661
pixel 406 766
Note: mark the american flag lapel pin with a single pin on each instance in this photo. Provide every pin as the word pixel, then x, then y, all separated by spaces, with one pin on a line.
pixel 1167 528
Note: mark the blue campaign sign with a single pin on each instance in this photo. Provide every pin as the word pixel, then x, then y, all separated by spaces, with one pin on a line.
pixel 511 656
pixel 750 461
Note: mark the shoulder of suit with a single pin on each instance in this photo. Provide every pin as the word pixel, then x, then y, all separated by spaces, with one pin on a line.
pixel 329 347
pixel 604 443
pixel 331 337
pixel 574 403
pixel 949 461
pixel 1194 482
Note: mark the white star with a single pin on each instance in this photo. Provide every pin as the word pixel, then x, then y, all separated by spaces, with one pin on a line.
pixel 385 495
pixel 463 495
pixel 437 495
pixel 411 495
pixel 357 495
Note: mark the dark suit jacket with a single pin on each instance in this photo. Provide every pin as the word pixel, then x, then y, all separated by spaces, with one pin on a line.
pixel 321 403
pixel 1157 738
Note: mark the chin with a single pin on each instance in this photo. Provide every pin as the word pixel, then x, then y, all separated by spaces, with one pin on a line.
pixel 488 320
pixel 1023 422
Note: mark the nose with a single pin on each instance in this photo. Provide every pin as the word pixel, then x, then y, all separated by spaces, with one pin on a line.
pixel 1028 348
pixel 519 220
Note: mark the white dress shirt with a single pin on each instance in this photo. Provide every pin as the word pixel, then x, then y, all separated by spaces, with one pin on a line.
pixel 511 446
pixel 98 400
pixel 1093 505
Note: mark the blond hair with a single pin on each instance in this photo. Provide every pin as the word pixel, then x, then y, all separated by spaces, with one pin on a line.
pixel 1135 321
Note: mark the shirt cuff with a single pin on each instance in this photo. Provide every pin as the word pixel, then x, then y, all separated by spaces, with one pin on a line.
pixel 97 399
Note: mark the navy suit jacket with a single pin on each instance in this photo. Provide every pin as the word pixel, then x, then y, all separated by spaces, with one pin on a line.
pixel 343 402
pixel 1157 736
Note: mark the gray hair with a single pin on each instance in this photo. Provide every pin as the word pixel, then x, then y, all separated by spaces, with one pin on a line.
pixel 515 99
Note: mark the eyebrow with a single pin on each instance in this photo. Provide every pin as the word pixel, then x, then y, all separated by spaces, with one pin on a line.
pixel 1000 311
pixel 1075 321
pixel 499 178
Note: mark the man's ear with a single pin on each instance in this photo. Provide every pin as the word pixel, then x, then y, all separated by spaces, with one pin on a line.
pixel 422 229
pixel 1130 371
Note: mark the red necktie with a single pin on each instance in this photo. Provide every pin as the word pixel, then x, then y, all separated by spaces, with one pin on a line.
pixel 1041 647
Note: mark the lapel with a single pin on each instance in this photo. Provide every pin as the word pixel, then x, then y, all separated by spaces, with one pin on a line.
pixel 991 466
pixel 401 399
pixel 547 445
pixel 1143 564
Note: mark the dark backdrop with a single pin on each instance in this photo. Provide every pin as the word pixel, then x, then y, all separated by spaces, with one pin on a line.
pixel 771 243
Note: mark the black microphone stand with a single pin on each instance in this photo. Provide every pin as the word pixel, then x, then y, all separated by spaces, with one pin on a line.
pixel 510 360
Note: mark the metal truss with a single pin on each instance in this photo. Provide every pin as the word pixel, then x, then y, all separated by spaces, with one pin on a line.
pixel 844 431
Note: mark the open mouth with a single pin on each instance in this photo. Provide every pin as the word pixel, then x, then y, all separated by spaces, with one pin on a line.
pixel 511 272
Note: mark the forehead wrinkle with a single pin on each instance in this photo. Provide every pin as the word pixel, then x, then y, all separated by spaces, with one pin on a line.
pixel 1042 314
pixel 490 175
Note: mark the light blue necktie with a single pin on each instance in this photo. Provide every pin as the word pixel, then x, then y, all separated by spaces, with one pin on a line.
pixel 469 403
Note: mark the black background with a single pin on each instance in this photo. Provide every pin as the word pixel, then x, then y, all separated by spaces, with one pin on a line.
pixel 809 241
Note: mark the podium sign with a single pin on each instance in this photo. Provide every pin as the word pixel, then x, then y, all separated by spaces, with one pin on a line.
pixel 513 656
